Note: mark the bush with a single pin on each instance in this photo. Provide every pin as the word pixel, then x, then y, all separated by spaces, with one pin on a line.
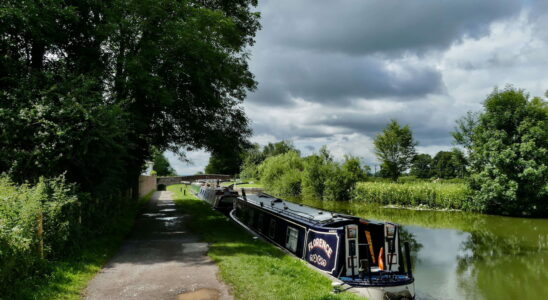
pixel 434 195
pixel 314 176
pixel 21 206
pixel 281 174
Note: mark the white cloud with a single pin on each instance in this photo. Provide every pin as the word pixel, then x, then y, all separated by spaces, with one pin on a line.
pixel 198 160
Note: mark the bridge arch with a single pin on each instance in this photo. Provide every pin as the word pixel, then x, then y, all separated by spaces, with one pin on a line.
pixel 170 180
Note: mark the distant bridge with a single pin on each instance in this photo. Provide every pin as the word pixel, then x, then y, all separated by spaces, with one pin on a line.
pixel 165 181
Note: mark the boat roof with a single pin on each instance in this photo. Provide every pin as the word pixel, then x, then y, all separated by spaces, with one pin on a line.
pixel 297 211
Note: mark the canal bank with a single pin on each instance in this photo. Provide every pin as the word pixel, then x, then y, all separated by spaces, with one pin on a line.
pixel 462 255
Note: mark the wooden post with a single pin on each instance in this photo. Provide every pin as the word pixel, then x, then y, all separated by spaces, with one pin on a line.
pixel 40 233
pixel 79 213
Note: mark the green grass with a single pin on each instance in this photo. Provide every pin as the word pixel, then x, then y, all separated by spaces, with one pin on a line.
pixel 433 195
pixel 70 276
pixel 253 268
pixel 247 185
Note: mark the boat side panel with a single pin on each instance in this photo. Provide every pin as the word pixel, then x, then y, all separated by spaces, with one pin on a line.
pixel 323 248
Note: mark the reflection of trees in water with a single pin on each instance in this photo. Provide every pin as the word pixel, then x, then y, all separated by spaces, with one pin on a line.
pixel 414 245
pixel 503 258
pixel 428 218
pixel 502 268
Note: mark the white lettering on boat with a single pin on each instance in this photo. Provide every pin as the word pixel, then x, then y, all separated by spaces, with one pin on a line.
pixel 322 244
pixel 317 259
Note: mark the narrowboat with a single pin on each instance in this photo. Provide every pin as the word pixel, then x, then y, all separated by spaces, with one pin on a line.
pixel 220 198
pixel 366 255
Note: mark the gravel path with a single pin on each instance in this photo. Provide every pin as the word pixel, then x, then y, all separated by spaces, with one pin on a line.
pixel 159 260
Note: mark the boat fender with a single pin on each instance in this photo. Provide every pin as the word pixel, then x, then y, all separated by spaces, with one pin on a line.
pixel 381 261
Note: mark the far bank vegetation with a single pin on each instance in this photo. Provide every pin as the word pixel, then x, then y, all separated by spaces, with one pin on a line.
pixel 501 166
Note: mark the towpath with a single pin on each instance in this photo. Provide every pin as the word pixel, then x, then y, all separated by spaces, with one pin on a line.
pixel 159 260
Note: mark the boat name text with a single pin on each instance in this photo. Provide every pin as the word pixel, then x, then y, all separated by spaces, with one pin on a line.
pixel 322 244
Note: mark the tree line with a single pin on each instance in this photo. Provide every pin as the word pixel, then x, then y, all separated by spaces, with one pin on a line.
pixel 89 89
pixel 502 154
pixel 395 149
pixel 506 159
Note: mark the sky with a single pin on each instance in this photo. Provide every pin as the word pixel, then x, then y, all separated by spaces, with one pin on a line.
pixel 335 73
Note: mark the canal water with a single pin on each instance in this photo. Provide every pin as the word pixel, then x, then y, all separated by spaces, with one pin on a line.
pixel 460 255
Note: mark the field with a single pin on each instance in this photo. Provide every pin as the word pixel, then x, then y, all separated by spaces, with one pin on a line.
pixel 432 195
pixel 254 269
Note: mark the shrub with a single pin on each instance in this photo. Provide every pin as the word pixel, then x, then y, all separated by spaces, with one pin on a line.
pixel 281 174
pixel 21 206
pixel 434 195
pixel 317 169
pixel 314 176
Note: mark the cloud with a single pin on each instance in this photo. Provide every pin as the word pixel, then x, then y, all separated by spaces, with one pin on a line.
pixel 335 79
pixel 335 72
pixel 384 27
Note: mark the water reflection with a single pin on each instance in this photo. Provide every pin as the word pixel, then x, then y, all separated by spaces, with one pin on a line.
pixel 467 256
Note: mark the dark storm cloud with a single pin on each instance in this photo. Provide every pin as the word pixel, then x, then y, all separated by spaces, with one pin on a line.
pixel 387 26
pixel 333 52
pixel 338 79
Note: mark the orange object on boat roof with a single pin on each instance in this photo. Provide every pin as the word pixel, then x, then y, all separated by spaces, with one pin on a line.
pixel 381 255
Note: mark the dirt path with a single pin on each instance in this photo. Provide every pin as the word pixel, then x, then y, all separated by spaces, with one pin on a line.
pixel 159 260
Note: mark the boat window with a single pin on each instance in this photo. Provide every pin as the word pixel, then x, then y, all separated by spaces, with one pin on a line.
pixel 251 217
pixel 291 240
pixel 260 222
pixel 272 228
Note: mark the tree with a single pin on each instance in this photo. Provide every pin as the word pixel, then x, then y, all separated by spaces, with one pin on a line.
pixel 318 168
pixel 87 86
pixel 464 130
pixel 226 162
pixel 282 173
pixel 442 165
pixel 459 162
pixel 343 179
pixel 273 149
pixel 395 148
pixel 253 157
pixel 509 155
pixel 161 165
pixel 421 166
pixel 449 164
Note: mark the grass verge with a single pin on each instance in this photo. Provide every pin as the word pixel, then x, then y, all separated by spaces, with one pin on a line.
pixel 253 268
pixel 68 277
